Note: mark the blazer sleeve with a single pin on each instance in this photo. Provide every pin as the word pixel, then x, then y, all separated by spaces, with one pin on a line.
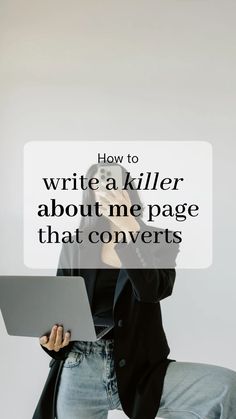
pixel 150 284
pixel 63 261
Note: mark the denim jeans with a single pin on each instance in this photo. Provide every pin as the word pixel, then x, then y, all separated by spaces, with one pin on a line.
pixel 88 387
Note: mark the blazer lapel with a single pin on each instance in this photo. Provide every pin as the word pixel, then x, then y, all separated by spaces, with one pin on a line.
pixel 89 276
pixel 90 280
pixel 121 281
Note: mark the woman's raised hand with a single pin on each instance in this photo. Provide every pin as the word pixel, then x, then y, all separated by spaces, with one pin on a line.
pixel 114 198
pixel 56 340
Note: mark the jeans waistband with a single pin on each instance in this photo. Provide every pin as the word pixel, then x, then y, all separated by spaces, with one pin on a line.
pixel 101 345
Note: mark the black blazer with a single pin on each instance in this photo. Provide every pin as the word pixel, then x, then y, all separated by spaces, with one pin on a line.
pixel 140 346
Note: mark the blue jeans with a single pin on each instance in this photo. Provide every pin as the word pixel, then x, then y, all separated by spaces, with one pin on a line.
pixel 88 387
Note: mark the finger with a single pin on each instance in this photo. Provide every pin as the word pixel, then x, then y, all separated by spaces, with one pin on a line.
pixel 58 340
pixel 112 192
pixel 108 192
pixel 43 340
pixel 52 337
pixel 103 196
pixel 101 188
pixel 117 196
pixel 66 339
pixel 126 195
pixel 104 203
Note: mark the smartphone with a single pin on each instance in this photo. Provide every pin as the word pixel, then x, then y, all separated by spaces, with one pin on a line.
pixel 106 172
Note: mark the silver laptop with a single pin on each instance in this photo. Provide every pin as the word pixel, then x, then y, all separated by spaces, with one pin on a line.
pixel 31 305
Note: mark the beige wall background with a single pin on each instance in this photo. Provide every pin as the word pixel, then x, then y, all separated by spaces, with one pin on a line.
pixel 127 70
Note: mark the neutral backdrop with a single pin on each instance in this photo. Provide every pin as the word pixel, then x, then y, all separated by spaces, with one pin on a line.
pixel 127 70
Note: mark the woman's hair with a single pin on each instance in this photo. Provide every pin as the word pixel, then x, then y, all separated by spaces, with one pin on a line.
pixel 88 197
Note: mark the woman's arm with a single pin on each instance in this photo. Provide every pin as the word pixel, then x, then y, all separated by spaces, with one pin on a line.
pixel 150 284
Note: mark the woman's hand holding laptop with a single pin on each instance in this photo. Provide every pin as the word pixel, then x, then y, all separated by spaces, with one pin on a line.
pixel 55 340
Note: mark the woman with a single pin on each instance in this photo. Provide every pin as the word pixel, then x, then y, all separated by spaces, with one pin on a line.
pixel 129 368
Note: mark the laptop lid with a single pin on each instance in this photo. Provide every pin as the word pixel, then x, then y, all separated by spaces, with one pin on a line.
pixel 31 305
